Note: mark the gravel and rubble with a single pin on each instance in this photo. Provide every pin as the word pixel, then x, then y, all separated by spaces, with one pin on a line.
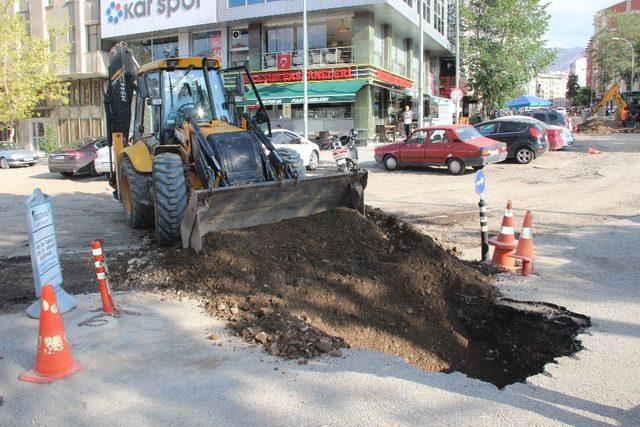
pixel 301 292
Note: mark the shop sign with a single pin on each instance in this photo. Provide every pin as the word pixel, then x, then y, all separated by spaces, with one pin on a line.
pixel 126 17
pixel 392 79
pixel 215 43
pixel 284 60
pixel 296 75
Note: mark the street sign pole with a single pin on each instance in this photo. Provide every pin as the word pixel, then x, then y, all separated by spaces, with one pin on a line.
pixel 480 183
pixel 45 262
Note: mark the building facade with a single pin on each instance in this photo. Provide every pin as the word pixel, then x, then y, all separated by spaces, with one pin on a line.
pixel 551 86
pixel 579 68
pixel 85 70
pixel 363 54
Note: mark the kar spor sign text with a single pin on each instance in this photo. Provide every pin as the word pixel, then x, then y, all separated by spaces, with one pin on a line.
pixel 143 8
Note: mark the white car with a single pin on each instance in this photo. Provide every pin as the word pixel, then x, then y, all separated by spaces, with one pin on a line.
pixel 309 151
pixel 561 110
pixel 101 161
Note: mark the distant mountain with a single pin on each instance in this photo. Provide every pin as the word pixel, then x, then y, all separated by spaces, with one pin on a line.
pixel 565 57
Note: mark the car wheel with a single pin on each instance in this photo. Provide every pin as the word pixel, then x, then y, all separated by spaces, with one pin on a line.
pixel 455 166
pixel 66 174
pixel 4 164
pixel 313 161
pixel 390 163
pixel 524 155
pixel 92 169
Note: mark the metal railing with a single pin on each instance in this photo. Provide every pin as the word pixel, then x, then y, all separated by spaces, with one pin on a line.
pixel 317 57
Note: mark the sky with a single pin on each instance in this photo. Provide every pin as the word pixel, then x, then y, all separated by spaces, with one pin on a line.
pixel 571 23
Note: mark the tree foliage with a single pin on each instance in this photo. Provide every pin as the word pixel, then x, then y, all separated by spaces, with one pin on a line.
pixel 582 98
pixel 613 57
pixel 572 87
pixel 503 47
pixel 27 68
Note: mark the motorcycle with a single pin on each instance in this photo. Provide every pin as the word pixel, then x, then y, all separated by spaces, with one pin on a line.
pixel 346 155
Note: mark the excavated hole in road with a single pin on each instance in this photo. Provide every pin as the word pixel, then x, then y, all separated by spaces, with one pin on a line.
pixel 314 285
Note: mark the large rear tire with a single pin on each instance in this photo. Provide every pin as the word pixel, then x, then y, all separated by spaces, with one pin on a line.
pixel 135 196
pixel 170 192
pixel 292 157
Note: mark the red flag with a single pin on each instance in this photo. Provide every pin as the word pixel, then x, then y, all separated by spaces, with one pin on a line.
pixel 284 61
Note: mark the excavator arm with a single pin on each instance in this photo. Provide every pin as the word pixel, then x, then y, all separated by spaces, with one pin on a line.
pixel 612 93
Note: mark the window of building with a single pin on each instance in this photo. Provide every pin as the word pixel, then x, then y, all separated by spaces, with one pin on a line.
pixel 438 20
pixel 96 92
pixel 85 128
pixel 96 127
pixel 92 11
pixel 398 54
pixel 239 39
pixel 238 3
pixel 85 92
pixel 93 37
pixel 239 58
pixel 378 45
pixel 71 38
pixel 74 94
pixel 289 39
pixel 280 39
pixel 207 44
pixel 151 50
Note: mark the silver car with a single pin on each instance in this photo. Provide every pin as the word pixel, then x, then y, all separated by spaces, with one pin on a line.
pixel 12 155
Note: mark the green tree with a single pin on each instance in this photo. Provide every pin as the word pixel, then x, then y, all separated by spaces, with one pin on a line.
pixel 50 140
pixel 503 47
pixel 27 68
pixel 582 98
pixel 572 87
pixel 613 57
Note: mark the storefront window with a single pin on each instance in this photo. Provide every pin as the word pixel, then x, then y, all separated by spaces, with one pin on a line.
pixel 280 40
pixel 207 44
pixel 240 39
pixel 321 111
pixel 238 3
pixel 290 38
pixel 377 103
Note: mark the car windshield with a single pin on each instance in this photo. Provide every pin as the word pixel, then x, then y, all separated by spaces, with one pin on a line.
pixel 8 146
pixel 467 133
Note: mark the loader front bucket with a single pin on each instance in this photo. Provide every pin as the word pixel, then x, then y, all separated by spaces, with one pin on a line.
pixel 268 202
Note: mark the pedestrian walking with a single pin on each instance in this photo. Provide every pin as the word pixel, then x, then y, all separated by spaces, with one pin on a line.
pixel 634 118
pixel 407 118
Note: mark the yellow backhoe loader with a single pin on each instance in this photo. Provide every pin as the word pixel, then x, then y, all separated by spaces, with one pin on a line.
pixel 199 157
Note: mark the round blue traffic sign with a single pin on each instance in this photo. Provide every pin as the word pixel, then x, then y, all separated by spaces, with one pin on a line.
pixel 480 182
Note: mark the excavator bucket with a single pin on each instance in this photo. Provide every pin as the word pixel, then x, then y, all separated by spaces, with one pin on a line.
pixel 268 202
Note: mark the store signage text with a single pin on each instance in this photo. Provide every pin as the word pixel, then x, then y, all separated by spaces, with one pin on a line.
pixel 296 76
pixel 393 79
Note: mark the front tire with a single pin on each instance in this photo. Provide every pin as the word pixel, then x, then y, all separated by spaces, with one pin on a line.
pixel 134 195
pixel 524 155
pixel 313 161
pixel 170 195
pixel 390 163
pixel 293 159
pixel 4 163
pixel 455 166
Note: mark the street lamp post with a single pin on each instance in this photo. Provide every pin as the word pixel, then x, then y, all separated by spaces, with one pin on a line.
pixel 457 57
pixel 633 58
pixel 305 87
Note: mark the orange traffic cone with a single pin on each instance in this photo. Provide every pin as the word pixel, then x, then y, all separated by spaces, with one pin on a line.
pixel 108 306
pixel 525 250
pixel 593 151
pixel 505 243
pixel 54 360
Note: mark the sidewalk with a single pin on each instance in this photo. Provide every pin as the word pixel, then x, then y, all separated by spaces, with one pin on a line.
pixel 159 368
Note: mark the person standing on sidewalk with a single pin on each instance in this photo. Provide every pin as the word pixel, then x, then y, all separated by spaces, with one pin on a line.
pixel 624 117
pixel 407 118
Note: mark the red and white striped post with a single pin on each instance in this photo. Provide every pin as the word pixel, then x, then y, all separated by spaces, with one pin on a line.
pixel 108 306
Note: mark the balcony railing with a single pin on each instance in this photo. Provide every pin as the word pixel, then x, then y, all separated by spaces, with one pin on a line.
pixel 317 57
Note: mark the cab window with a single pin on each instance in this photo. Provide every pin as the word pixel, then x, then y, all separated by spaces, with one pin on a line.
pixel 417 137
pixel 438 137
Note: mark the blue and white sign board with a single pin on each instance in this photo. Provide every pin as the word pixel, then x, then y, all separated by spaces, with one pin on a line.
pixel 480 182
pixel 45 262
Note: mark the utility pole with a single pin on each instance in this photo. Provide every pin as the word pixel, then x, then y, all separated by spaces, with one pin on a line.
pixel 305 60
pixel 421 67
pixel 457 57
pixel 628 6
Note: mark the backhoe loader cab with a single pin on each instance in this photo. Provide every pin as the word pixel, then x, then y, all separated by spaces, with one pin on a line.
pixel 192 156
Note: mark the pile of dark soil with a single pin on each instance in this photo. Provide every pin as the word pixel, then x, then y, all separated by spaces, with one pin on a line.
pixel 597 127
pixel 309 286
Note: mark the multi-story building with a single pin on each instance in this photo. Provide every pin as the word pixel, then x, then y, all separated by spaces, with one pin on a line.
pixel 601 21
pixel 85 70
pixel 363 54
pixel 579 68
pixel 551 86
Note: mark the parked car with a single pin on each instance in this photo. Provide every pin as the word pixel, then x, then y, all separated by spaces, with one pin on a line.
pixel 526 137
pixel 561 110
pixel 12 155
pixel 309 151
pixel 76 158
pixel 103 162
pixel 454 146
pixel 550 117
pixel 559 137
